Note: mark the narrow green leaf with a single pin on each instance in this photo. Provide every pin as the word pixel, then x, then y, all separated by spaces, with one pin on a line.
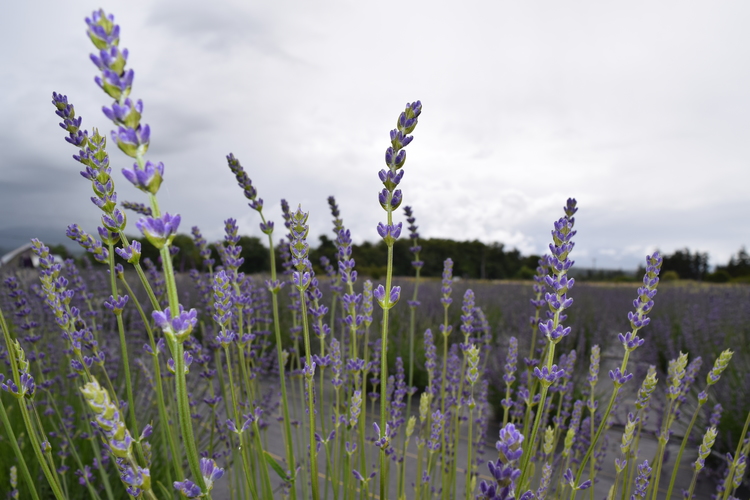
pixel 275 465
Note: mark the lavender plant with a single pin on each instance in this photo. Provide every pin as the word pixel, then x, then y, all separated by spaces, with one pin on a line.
pixel 234 364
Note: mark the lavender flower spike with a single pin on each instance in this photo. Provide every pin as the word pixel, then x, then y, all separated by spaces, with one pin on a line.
pixel 390 198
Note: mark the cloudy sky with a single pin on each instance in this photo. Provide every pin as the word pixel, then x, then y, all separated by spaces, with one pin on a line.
pixel 637 109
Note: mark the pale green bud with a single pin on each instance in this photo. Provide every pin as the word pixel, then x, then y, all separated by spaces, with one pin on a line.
pixel 410 426
pixel 569 437
pixel 627 436
pixel 424 406
pixel 549 435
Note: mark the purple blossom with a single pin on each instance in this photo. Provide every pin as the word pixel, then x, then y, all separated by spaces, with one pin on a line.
pixel 210 472
pixel 620 377
pixel 177 327
pixel 547 375
pixel 131 252
pixel 160 231
pixel 133 142
pixel 569 478
pixel 467 318
pixel 188 488
pixel 102 30
pixel 391 300
pixel 389 233
pixel 433 444
pixel 510 361
pixel 715 417
pixel 147 178
pixel 509 444
pixel 641 481
pixel 116 305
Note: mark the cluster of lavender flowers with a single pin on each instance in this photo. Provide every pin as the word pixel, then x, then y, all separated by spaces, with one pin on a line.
pixel 113 373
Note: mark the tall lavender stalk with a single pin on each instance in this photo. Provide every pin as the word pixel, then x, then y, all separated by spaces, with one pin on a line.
pixel 559 263
pixel 133 139
pixel 390 199
pixel 301 279
pixel 630 342
pixel 274 286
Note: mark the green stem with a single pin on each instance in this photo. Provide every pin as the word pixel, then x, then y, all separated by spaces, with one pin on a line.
pixel 740 444
pixel 36 445
pixel 164 427
pixel 468 455
pixel 310 403
pixel 177 349
pixel 282 370
pixel 124 350
pixel 603 423
pixel 537 418
pixel 183 411
pixel 17 451
pixel 682 448
pixel 384 364
pixel 249 476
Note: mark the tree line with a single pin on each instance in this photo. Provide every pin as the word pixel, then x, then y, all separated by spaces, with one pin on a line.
pixel 471 260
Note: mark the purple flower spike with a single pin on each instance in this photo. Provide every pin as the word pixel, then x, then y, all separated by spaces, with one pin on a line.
pixel 160 231
pixel 390 198
pixel 148 178
pixel 642 480
pixel 103 32
pixel 643 304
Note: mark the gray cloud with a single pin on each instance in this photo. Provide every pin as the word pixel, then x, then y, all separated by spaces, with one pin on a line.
pixel 638 110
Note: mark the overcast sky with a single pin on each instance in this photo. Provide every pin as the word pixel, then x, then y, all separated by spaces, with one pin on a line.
pixel 638 109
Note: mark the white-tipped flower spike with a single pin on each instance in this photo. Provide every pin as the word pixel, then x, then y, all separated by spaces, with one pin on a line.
pixel 424 406
pixel 472 373
pixel 549 436
pixel 13 483
pixel 355 408
pixel 720 365
pixel 627 436
pixel 676 373
pixel 647 388
pixel 107 418
pixel 410 426
pixel 705 448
